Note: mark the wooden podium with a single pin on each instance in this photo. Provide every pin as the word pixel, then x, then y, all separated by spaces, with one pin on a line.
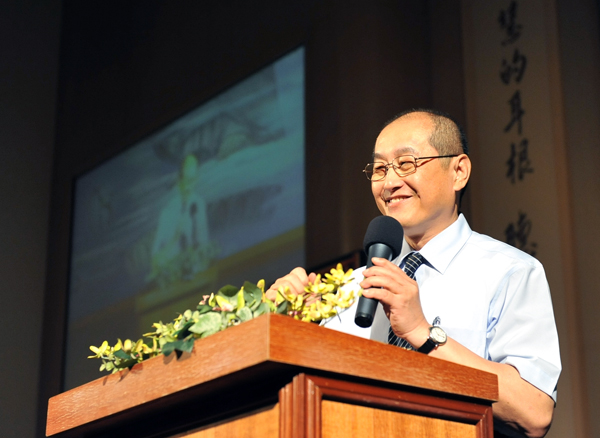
pixel 277 377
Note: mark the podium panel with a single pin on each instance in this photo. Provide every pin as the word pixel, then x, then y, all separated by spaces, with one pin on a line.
pixel 341 420
pixel 277 377
pixel 318 407
pixel 264 423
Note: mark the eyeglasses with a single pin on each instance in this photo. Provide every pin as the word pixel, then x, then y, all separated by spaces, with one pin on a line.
pixel 403 165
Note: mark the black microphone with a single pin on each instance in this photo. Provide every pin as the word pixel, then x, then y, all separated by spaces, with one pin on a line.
pixel 383 239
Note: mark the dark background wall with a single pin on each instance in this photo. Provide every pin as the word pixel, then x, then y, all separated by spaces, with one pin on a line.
pixel 29 41
pixel 126 68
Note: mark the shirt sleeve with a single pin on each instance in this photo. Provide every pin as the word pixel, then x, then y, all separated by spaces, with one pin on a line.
pixel 521 327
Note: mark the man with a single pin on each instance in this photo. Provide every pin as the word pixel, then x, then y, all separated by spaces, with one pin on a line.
pixel 181 245
pixel 491 299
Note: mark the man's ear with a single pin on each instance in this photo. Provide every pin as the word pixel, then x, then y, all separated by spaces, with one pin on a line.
pixel 462 172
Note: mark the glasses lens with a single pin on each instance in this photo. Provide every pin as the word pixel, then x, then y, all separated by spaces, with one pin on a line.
pixel 375 171
pixel 405 165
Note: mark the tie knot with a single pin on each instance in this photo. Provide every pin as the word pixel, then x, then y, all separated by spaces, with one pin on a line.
pixel 412 263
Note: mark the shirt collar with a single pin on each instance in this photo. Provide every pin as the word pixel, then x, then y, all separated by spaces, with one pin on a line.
pixel 440 250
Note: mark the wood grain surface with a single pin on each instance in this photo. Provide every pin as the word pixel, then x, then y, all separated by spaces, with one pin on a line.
pixel 257 352
pixel 341 420
pixel 264 424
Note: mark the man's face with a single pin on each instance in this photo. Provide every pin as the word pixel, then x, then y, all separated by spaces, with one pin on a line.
pixel 425 201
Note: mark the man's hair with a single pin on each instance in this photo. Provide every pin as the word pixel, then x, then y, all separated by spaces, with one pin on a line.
pixel 447 137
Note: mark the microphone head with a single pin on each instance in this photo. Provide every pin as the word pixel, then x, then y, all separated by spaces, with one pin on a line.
pixel 386 230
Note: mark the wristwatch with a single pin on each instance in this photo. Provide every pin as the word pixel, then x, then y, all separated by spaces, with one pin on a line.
pixel 437 336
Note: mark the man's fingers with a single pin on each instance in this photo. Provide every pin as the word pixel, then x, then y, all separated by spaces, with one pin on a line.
pixel 300 275
pixel 383 267
pixel 295 281
pixel 376 293
pixel 392 283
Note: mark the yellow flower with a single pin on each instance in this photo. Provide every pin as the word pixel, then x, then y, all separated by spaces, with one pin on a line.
pixel 319 288
pixel 100 351
pixel 146 349
pixel 127 345
pixel 337 275
pixel 284 294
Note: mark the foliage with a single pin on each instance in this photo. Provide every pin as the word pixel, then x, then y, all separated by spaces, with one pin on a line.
pixel 228 307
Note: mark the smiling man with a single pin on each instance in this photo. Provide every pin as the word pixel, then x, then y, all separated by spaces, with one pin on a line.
pixel 464 297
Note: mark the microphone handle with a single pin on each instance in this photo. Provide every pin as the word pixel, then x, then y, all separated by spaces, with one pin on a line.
pixel 365 311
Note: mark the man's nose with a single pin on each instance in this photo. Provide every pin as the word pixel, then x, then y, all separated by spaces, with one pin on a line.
pixel 392 179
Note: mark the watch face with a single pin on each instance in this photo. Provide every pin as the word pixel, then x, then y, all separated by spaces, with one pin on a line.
pixel 438 335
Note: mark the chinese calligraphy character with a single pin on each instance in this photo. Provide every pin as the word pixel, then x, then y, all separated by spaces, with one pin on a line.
pixel 516 112
pixel 508 23
pixel 516 68
pixel 518 163
pixel 518 236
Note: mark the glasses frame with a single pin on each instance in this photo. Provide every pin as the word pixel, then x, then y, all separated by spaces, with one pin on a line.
pixel 396 168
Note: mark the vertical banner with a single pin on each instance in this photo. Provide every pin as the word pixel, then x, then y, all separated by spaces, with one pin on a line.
pixel 510 120
pixel 514 120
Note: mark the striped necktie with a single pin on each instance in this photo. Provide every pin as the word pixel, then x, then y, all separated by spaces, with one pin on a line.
pixel 413 261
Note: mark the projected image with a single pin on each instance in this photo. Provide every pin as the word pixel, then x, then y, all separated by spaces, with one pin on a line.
pixel 214 198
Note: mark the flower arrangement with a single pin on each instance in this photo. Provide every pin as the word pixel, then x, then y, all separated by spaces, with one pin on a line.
pixel 228 307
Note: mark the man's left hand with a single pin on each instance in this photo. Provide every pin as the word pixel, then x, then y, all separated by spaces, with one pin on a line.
pixel 399 295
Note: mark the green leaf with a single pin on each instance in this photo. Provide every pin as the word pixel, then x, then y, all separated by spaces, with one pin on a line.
pixel 244 314
pixel 126 364
pixel 184 331
pixel 240 299
pixel 228 291
pixel 187 345
pixel 204 308
pixel 252 288
pixel 271 305
pixel 249 299
pixel 262 309
pixel 208 323
pixel 122 355
pixel 252 295
pixel 168 348
pixel 282 309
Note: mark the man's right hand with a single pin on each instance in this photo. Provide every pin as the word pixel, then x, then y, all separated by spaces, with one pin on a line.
pixel 295 281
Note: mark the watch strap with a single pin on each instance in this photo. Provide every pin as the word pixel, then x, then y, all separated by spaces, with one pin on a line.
pixel 427 347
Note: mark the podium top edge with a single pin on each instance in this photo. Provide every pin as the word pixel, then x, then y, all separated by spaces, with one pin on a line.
pixel 278 341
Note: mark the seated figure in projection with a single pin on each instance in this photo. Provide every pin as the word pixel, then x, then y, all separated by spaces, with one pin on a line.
pixel 181 246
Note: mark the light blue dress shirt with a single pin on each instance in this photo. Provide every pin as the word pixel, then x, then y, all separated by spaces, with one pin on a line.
pixel 490 297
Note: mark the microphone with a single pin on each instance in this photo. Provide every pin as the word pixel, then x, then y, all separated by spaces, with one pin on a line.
pixel 383 239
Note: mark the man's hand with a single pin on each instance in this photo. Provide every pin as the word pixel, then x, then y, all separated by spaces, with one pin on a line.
pixel 295 281
pixel 399 295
